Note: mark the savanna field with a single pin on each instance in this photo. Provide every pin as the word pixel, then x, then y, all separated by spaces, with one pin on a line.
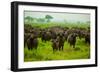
pixel 45 52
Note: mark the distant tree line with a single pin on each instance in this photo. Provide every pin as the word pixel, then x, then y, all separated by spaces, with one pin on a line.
pixel 30 19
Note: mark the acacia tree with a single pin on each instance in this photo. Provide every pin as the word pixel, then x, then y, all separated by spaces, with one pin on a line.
pixel 29 19
pixel 48 17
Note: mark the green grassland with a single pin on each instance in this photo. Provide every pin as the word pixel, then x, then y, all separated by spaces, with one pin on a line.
pixel 51 24
pixel 44 52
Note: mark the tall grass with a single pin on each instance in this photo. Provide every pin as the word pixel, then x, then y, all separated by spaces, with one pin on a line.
pixel 45 52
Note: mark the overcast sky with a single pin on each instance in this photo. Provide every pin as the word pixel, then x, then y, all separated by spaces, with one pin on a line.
pixel 60 17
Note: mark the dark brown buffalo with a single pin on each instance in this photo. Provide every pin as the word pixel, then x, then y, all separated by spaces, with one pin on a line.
pixel 66 34
pixel 32 42
pixel 46 35
pixel 87 38
pixel 26 36
pixel 55 44
pixel 72 39
pixel 61 40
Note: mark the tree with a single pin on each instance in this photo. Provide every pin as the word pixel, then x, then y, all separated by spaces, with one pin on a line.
pixel 48 17
pixel 78 22
pixel 88 22
pixel 65 21
pixel 41 20
pixel 29 19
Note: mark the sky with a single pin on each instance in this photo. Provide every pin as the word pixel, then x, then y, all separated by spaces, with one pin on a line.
pixel 60 17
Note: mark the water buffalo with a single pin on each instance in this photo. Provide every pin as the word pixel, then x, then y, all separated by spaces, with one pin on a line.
pixel 55 44
pixel 45 35
pixel 32 42
pixel 61 40
pixel 87 38
pixel 72 39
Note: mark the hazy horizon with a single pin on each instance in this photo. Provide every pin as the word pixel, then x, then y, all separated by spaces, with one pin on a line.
pixel 60 17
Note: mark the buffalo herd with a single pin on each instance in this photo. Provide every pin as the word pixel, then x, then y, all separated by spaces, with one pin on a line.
pixel 57 35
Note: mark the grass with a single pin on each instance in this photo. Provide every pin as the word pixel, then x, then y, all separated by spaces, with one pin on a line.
pixel 50 24
pixel 44 52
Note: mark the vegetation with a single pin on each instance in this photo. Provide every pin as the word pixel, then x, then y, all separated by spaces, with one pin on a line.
pixel 44 52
